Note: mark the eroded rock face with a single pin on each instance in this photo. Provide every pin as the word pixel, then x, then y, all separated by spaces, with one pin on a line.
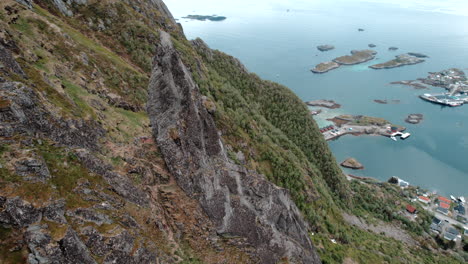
pixel 242 204
pixel 19 213
pixel 7 61
pixel 23 113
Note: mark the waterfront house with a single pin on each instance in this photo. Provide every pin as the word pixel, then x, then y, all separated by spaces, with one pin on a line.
pixel 411 209
pixel 424 200
pixel 460 209
pixel 442 210
pixel 444 205
pixel 443 199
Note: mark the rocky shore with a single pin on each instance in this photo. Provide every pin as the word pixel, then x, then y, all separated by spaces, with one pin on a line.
pixel 324 103
pixel 356 57
pixel 361 125
pixel 401 60
pixel 325 67
pixel 415 84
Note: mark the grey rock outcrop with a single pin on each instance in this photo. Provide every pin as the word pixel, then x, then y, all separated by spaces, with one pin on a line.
pixel 63 8
pixel 19 213
pixel 89 215
pixel 74 250
pixel 7 61
pixel 120 184
pixel 23 113
pixel 32 169
pixel 42 247
pixel 55 212
pixel 242 204
pixel 27 3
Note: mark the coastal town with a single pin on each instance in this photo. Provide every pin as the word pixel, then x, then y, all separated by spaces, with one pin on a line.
pixel 450 218
pixel 453 80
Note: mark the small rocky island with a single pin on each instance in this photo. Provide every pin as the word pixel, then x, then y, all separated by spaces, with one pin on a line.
pixel 356 57
pixel 204 18
pixel 414 119
pixel 372 45
pixel 381 101
pixel 325 67
pixel 399 61
pixel 415 84
pixel 324 103
pixel 392 48
pixel 361 29
pixel 352 163
pixel 361 125
pixel 418 55
pixel 325 47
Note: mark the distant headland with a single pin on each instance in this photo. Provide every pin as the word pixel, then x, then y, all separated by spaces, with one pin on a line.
pixel 204 18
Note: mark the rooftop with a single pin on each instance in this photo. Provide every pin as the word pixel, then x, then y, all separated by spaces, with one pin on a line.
pixel 452 231
pixel 445 200
pixel 424 198
pixel 410 209
pixel 444 205
pixel 450 236
pixel 442 210
pixel 460 209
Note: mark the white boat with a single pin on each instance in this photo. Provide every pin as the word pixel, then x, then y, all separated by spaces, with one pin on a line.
pixel 405 135
pixel 393 138
pixel 453 198
pixel 462 199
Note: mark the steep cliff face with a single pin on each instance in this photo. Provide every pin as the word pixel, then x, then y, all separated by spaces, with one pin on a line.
pixel 242 204
pixel 83 181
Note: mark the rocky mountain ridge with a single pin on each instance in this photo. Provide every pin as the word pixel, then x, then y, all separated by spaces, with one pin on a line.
pixel 105 212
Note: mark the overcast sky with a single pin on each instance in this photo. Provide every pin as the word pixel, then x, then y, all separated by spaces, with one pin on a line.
pixel 207 7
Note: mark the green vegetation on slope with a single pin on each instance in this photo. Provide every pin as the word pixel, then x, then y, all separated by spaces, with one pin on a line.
pixel 264 121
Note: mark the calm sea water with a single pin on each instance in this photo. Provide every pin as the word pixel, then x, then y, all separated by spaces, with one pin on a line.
pixel 279 45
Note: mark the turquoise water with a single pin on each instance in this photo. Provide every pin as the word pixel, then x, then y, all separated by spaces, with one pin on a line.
pixel 280 46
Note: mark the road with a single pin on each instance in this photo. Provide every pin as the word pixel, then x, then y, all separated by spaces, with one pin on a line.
pixel 445 218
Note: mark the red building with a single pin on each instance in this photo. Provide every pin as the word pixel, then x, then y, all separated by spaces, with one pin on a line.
pixel 411 209
pixel 443 199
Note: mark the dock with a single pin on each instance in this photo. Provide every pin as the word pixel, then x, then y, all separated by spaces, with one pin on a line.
pixel 332 132
pixel 446 99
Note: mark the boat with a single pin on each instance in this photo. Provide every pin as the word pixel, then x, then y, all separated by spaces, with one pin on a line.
pixel 405 135
pixel 453 198
pixel 453 103
pixel 393 138
pixel 462 199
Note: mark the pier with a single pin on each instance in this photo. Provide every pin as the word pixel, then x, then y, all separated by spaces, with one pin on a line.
pixel 446 99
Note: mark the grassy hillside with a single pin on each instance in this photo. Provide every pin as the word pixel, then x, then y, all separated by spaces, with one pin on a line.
pixel 96 64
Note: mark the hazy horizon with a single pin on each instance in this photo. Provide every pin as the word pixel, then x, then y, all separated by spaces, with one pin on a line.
pixel 208 7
